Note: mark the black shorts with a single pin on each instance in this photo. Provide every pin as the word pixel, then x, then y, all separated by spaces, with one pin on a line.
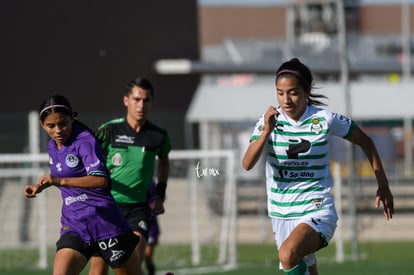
pixel 115 251
pixel 138 216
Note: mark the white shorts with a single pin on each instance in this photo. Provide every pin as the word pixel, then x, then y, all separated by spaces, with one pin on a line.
pixel 322 221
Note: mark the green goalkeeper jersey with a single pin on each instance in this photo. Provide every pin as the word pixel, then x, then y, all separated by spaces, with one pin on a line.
pixel 130 157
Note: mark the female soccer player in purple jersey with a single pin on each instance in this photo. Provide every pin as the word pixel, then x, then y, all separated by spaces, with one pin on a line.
pixel 91 223
pixel 294 137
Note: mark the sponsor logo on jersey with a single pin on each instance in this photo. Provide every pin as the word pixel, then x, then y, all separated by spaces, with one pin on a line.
pixel 294 174
pixel 279 127
pixel 71 161
pixel 124 139
pixel 296 163
pixel 93 165
pixel 70 200
pixel 295 148
pixel 116 255
pixel 143 225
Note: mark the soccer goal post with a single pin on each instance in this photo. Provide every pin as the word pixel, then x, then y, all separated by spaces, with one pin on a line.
pixel 16 170
pixel 212 186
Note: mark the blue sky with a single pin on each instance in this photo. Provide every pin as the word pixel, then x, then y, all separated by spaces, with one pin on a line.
pixel 282 2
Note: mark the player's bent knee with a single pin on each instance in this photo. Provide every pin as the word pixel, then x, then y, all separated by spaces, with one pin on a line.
pixel 287 257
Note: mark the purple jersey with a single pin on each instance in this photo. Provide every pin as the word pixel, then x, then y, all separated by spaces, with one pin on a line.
pixel 89 213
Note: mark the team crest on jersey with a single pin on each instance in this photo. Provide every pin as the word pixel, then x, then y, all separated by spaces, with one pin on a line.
pixel 261 127
pixel 316 126
pixel 71 160
pixel 317 202
pixel 117 159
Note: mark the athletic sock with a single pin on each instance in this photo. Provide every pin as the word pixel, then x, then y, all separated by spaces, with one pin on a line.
pixel 298 269
pixel 150 268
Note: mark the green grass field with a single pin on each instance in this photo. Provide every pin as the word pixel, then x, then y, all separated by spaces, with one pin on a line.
pixel 396 258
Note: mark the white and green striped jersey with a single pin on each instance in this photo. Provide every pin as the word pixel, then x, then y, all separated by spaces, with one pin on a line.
pixel 298 178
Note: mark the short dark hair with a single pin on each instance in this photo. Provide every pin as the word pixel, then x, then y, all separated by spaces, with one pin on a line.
pixel 142 83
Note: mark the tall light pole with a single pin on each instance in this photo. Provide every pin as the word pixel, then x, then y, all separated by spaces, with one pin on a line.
pixel 344 63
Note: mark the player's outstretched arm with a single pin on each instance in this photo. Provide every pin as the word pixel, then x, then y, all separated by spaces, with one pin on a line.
pixel 383 194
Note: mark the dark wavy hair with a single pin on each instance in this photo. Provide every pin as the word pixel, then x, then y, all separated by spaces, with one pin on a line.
pixel 295 68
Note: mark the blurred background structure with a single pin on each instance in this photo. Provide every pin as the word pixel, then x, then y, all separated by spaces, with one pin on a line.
pixel 212 63
pixel 89 51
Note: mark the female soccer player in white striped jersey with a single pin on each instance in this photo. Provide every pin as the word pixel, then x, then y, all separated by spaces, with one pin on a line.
pixel 295 138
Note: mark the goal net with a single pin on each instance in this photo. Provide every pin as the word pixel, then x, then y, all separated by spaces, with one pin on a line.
pixel 201 207
pixel 24 232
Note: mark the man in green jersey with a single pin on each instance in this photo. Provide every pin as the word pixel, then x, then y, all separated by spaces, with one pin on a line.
pixel 132 146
